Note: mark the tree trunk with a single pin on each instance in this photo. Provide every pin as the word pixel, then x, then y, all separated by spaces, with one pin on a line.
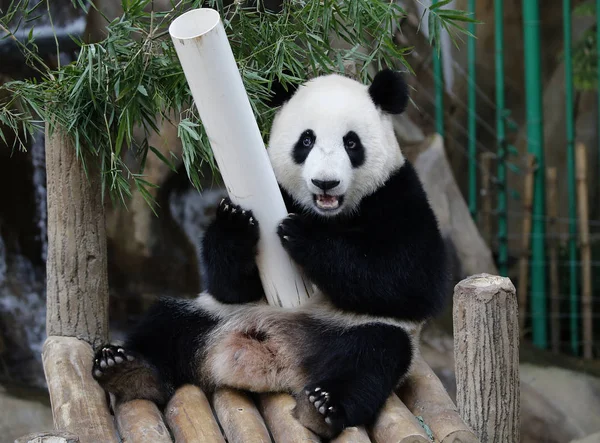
pixel 77 281
pixel 486 352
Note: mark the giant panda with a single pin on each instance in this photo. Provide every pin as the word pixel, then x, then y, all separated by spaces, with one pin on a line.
pixel 361 229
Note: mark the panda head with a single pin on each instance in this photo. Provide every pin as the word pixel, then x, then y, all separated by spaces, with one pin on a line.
pixel 333 142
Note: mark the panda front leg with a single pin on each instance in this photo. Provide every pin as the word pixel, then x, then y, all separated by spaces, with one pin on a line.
pixel 229 250
pixel 352 373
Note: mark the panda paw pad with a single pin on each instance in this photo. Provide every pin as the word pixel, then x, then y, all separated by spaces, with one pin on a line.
pixel 323 403
pixel 109 359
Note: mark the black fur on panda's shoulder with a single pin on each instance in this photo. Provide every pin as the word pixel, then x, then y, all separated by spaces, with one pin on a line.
pixel 387 259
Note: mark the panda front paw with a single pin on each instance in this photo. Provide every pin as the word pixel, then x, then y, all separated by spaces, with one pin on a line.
pixel 291 231
pixel 237 221
pixel 325 404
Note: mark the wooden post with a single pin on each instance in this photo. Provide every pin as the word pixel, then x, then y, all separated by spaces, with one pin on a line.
pixel 551 229
pixel 485 218
pixel 586 252
pixel 526 239
pixel 77 280
pixel 486 353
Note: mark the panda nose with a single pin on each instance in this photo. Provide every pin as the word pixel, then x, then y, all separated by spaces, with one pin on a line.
pixel 325 184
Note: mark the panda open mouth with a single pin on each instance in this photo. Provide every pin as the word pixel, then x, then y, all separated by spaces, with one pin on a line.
pixel 327 202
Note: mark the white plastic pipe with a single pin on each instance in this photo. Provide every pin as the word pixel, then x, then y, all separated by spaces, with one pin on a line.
pixel 225 111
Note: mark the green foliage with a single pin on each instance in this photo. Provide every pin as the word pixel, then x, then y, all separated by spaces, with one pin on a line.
pixel 133 79
pixel 449 20
pixel 585 59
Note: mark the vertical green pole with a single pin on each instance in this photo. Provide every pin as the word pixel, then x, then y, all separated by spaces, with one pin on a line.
pixel 574 319
pixel 501 138
pixel 439 86
pixel 472 118
pixel 535 136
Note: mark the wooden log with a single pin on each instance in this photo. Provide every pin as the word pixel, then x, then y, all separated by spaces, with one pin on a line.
pixel 425 396
pixel 486 213
pixel 190 417
pixel 49 437
pixel 397 424
pixel 552 230
pixel 78 402
pixel 277 412
pixel 141 421
pixel 486 354
pixel 353 435
pixel 77 280
pixel 525 239
pixel 239 417
pixel 585 250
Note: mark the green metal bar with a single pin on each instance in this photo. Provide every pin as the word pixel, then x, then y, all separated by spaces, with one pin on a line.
pixel 501 138
pixel 439 87
pixel 472 116
pixel 535 145
pixel 570 117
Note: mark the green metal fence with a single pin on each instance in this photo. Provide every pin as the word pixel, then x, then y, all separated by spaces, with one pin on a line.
pixel 532 47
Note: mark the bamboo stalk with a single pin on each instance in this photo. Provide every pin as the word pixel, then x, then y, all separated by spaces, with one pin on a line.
pixel 139 421
pixel 522 292
pixel 218 91
pixel 425 396
pixel 190 417
pixel 487 159
pixel 552 204
pixel 586 252
pixel 239 417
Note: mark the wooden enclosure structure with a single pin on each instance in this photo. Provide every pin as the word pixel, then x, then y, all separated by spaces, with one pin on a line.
pixel 486 352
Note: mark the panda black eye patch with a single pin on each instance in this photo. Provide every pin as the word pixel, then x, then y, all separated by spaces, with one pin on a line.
pixel 305 143
pixel 354 149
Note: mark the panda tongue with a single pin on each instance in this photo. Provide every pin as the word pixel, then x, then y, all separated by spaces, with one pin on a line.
pixel 328 201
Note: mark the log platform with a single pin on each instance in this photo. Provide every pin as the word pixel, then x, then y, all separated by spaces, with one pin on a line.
pixel 80 407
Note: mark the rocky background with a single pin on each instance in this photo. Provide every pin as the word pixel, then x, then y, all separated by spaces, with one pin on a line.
pixel 153 255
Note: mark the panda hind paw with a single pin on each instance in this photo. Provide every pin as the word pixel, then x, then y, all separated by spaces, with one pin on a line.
pixel 110 359
pixel 325 405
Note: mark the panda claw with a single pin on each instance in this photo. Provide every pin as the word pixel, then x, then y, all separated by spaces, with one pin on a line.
pixel 328 420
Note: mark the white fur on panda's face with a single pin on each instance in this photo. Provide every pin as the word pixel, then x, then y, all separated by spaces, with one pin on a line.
pixel 330 146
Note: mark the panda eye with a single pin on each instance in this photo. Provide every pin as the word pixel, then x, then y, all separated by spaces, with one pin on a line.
pixel 308 139
pixel 351 141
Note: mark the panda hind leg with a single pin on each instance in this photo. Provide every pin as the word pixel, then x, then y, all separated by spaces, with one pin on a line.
pixel 127 375
pixel 352 376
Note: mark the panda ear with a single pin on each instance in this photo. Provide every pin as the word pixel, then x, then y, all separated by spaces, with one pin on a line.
pixel 389 91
